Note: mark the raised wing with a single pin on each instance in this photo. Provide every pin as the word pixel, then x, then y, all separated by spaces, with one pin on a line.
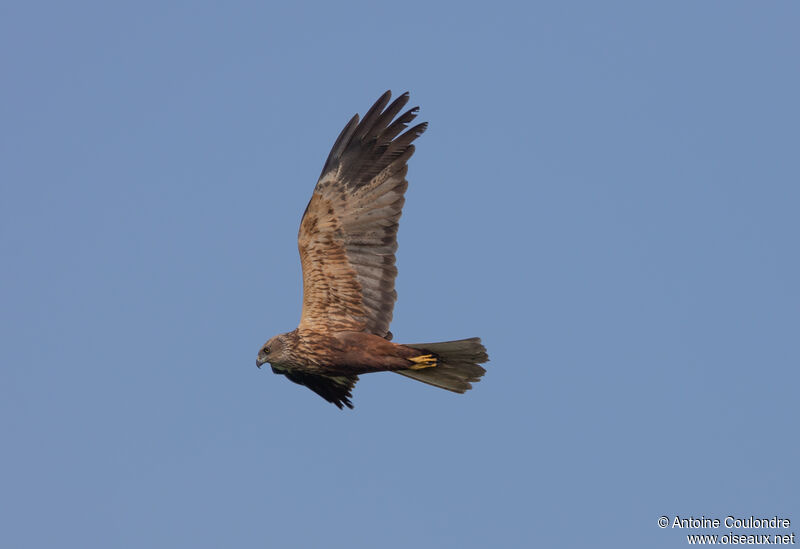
pixel 348 235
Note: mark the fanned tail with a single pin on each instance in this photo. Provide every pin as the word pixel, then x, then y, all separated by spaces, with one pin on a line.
pixel 457 365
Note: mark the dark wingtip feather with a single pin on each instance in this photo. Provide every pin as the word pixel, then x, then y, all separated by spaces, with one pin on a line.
pixel 418 130
pixel 341 144
pixel 372 116
pixel 389 114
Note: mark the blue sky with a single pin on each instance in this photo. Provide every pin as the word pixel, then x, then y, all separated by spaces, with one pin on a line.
pixel 607 194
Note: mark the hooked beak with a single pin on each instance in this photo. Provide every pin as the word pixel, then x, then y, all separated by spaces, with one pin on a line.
pixel 259 362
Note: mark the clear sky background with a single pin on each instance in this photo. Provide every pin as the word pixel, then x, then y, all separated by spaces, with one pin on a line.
pixel 607 194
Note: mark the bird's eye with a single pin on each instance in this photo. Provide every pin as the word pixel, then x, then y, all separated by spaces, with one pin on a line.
pixel 266 350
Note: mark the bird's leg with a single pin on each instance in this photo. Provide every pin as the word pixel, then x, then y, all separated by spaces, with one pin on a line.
pixel 423 361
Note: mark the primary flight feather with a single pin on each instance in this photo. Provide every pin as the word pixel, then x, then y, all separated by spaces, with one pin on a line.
pixel 347 241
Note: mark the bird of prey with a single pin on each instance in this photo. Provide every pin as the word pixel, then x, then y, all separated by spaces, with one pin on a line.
pixel 347 241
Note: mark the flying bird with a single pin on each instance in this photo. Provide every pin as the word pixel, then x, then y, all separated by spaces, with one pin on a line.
pixel 347 242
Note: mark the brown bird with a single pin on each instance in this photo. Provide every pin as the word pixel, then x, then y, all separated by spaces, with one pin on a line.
pixel 347 242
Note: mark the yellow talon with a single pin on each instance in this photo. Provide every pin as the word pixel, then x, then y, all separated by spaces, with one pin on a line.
pixel 423 361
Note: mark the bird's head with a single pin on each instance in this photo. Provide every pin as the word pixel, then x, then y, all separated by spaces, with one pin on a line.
pixel 274 351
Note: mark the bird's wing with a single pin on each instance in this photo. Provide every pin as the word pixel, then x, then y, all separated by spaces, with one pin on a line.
pixel 348 234
pixel 335 389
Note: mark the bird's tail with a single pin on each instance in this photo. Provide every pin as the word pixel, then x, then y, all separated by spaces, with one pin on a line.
pixel 457 364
